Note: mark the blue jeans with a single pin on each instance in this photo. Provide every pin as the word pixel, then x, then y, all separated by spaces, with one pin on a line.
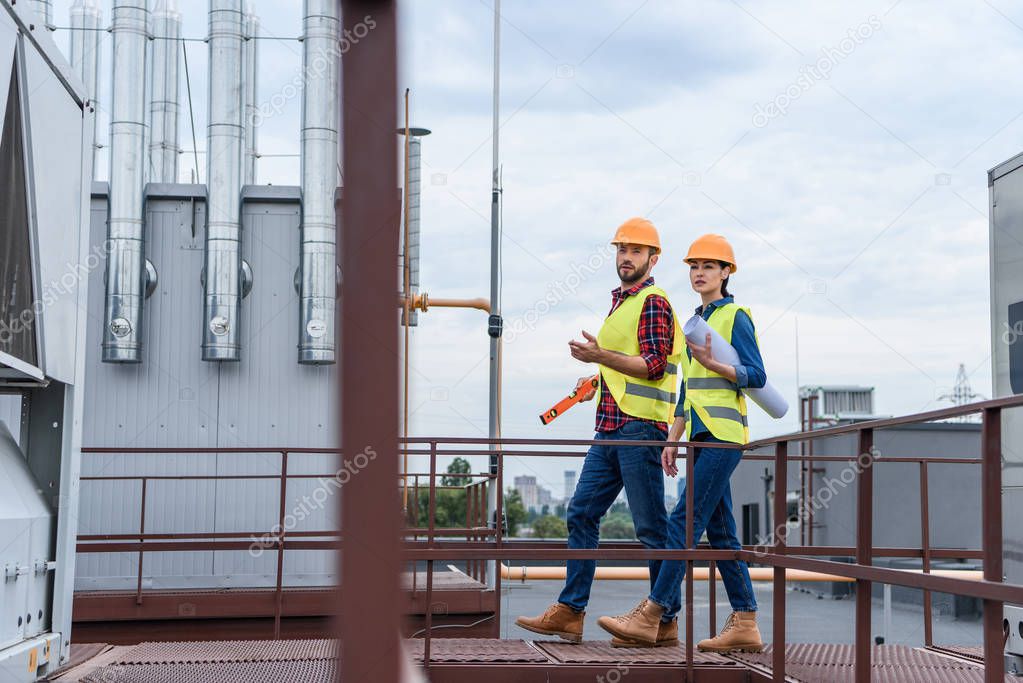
pixel 606 470
pixel 712 512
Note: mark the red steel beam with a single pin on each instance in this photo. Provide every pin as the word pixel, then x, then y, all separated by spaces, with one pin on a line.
pixel 991 540
pixel 781 516
pixel 369 350
pixel 864 545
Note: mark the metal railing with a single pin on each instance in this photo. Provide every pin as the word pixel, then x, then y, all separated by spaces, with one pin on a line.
pixel 782 556
pixel 278 539
pixel 487 542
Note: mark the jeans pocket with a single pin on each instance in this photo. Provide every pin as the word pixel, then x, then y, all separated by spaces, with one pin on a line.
pixel 633 428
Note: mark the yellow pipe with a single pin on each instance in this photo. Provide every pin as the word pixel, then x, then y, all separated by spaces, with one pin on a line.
pixel 422 302
pixel 523 573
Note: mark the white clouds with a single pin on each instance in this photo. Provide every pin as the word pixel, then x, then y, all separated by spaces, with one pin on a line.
pixel 845 182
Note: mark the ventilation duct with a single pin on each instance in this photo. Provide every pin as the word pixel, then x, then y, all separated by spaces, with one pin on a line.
pixel 163 110
pixel 44 8
pixel 85 33
pixel 414 202
pixel 126 274
pixel 250 92
pixel 223 271
pixel 317 277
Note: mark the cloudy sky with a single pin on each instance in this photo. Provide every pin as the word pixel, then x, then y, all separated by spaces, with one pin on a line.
pixel 841 147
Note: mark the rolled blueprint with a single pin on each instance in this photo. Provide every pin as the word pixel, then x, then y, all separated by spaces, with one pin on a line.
pixel 767 397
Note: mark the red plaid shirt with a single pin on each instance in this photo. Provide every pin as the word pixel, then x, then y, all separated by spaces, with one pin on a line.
pixel 656 337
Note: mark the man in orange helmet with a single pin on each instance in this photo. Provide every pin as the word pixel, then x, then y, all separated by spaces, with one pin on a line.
pixel 638 351
pixel 712 411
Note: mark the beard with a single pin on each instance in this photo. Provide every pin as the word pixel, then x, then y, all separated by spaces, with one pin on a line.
pixel 637 274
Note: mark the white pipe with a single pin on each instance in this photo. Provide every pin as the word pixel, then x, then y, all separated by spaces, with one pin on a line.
pixel 163 107
pixel 770 399
pixel 86 19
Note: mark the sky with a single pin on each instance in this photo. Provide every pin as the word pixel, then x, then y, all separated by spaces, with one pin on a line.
pixel 841 147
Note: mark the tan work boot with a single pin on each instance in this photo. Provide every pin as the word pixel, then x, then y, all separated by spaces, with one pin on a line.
pixel 641 624
pixel 740 634
pixel 667 636
pixel 558 620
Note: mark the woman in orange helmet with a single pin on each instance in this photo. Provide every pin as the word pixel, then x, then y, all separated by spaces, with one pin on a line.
pixel 711 409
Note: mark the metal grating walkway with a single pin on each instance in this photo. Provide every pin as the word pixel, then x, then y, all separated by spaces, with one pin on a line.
pixel 814 663
pixel 461 659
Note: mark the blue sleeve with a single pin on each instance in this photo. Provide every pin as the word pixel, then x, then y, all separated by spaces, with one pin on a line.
pixel 679 409
pixel 750 370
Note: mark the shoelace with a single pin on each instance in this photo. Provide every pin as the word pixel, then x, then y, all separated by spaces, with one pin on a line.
pixel 631 613
pixel 730 623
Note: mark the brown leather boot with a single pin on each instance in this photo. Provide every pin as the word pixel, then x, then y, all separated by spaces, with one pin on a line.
pixel 641 624
pixel 667 636
pixel 558 620
pixel 740 634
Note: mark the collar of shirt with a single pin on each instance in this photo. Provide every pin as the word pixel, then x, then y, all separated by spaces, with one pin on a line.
pixel 714 304
pixel 617 294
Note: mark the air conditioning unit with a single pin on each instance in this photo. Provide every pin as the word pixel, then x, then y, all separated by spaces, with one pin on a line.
pixel 840 402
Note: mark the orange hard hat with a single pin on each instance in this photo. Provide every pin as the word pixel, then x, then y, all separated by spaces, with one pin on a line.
pixel 637 231
pixel 713 248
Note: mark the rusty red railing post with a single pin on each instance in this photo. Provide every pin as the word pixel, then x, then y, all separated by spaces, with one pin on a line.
pixel 499 541
pixel 367 348
pixel 781 514
pixel 991 539
pixel 712 596
pixel 429 615
pixel 431 524
pixel 925 549
pixel 279 586
pixel 864 550
pixel 690 543
pixel 142 531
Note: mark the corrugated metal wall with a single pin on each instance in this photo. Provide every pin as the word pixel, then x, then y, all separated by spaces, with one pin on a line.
pixel 173 398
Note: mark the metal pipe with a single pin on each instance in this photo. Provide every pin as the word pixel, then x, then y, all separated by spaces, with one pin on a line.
pixel 44 8
pixel 318 250
pixel 422 302
pixel 557 573
pixel 125 274
pixel 413 201
pixel 250 91
pixel 163 107
pixel 494 325
pixel 222 281
pixel 86 19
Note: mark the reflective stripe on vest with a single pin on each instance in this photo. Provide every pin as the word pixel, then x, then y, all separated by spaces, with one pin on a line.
pixel 649 399
pixel 712 383
pixel 718 401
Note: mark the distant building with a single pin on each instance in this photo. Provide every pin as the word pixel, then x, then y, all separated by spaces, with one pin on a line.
pixel 543 497
pixel 526 486
pixel 569 485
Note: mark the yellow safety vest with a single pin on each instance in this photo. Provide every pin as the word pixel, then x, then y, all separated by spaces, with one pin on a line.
pixel 650 399
pixel 716 399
